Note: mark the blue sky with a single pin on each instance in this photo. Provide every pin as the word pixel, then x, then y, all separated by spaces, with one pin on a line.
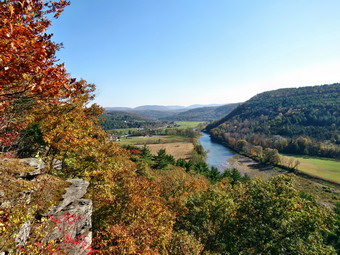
pixel 183 52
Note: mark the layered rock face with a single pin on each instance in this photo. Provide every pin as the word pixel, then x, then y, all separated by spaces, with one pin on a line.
pixel 73 218
pixel 67 224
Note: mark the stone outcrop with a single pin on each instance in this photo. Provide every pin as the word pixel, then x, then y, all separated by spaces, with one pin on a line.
pixel 37 164
pixel 73 227
pixel 73 219
pixel 75 191
pixel 23 234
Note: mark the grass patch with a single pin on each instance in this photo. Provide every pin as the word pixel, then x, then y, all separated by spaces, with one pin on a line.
pixel 187 124
pixel 141 140
pixel 325 193
pixel 325 168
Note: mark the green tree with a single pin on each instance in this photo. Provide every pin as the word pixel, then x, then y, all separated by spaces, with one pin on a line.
pixel 257 217
pixel 214 175
pixel 241 144
pixel 271 156
pixel 162 160
pixel 207 216
pixel 145 154
pixel 334 237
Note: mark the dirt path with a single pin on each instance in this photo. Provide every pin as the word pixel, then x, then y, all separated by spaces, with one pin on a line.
pixel 253 168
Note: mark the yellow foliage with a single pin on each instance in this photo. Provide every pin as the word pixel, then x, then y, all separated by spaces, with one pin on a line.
pixel 23 199
pixel 176 185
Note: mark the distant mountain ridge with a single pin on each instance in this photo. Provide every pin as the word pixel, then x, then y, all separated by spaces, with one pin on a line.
pixel 160 107
pixel 203 113
pixel 177 113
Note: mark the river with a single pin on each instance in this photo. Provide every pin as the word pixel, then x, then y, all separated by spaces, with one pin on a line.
pixel 217 154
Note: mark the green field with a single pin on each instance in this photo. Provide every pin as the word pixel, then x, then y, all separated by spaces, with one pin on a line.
pixel 182 125
pixel 162 138
pixel 140 140
pixel 325 168
pixel 187 124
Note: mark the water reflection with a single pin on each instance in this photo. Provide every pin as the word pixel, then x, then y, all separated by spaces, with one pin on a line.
pixel 218 155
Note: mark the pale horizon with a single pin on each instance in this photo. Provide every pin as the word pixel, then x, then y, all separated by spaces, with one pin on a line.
pixel 197 52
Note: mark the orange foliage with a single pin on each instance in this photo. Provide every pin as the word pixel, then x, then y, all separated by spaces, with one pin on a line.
pixel 176 186
pixel 29 73
pixel 131 214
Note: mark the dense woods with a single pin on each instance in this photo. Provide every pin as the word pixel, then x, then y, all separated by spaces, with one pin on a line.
pixel 143 204
pixel 122 119
pixel 297 120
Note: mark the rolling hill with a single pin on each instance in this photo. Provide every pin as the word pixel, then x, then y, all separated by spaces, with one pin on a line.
pixel 156 115
pixel 203 113
pixel 161 108
pixel 124 119
pixel 176 113
pixel 158 108
pixel 302 120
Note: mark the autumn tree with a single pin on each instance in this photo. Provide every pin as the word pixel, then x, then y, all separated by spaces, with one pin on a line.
pixel 271 156
pixel 176 185
pixel 130 216
pixel 36 92
pixel 30 74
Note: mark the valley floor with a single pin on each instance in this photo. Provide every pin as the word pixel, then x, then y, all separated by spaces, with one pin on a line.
pixel 324 168
pixel 325 193
pixel 157 139
pixel 177 150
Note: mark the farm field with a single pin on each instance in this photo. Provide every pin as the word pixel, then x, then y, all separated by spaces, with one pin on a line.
pixel 179 146
pixel 187 124
pixel 160 139
pixel 177 150
pixel 181 125
pixel 325 168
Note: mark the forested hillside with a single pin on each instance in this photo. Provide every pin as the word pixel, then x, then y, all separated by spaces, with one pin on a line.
pixel 153 114
pixel 203 113
pixel 296 120
pixel 124 119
